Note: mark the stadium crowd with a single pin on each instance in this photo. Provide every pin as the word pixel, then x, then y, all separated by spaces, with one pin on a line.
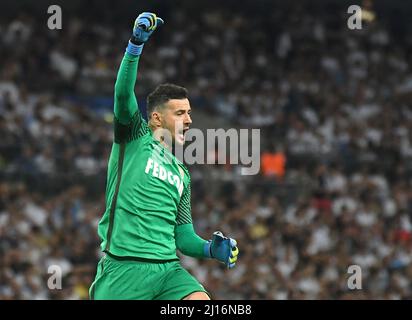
pixel 333 106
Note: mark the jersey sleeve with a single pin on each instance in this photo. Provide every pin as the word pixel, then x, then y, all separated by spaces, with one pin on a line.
pixel 129 123
pixel 187 241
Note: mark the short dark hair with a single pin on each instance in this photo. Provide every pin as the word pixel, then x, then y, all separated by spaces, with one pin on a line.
pixel 164 93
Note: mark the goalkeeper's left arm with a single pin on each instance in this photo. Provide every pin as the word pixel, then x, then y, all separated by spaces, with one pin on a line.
pixel 189 243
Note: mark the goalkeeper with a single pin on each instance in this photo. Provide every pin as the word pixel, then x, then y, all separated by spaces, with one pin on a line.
pixel 148 214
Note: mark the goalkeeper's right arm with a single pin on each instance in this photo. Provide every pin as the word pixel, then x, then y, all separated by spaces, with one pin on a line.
pixel 125 103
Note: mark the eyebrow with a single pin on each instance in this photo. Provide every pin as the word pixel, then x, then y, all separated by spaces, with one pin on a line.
pixel 183 110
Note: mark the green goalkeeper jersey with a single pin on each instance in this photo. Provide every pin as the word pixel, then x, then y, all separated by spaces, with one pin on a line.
pixel 148 188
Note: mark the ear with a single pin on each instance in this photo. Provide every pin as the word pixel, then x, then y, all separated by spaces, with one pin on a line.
pixel 156 119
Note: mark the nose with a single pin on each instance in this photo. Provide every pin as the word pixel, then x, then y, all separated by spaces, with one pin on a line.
pixel 188 119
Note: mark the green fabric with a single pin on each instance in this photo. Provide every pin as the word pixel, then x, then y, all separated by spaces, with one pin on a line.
pixel 188 242
pixel 128 121
pixel 184 214
pixel 148 188
pixel 131 280
pixel 125 104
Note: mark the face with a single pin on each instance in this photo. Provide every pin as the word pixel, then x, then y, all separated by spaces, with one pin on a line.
pixel 175 117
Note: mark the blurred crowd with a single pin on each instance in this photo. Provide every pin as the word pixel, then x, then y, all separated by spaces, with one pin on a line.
pixel 334 110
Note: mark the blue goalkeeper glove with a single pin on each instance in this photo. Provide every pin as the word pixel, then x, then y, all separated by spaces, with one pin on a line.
pixel 143 28
pixel 223 249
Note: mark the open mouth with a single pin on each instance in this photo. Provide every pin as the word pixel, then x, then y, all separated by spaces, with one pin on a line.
pixel 182 133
